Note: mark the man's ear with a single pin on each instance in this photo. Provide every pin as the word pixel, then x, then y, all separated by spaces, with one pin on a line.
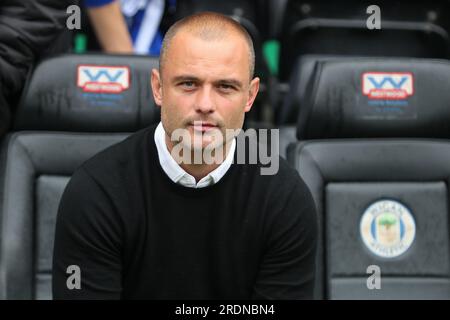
pixel 156 86
pixel 253 91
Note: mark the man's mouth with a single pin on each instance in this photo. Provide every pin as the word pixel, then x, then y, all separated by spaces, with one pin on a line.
pixel 203 126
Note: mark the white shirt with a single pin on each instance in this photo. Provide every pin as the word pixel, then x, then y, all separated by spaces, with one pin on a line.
pixel 178 174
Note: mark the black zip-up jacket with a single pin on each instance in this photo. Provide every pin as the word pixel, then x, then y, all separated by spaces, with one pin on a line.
pixel 28 28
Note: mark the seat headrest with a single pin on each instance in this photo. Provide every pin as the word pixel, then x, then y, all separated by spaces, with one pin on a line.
pixel 361 97
pixel 89 92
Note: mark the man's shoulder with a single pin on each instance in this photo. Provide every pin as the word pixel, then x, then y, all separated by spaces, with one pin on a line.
pixel 118 155
pixel 286 169
pixel 278 171
pixel 278 184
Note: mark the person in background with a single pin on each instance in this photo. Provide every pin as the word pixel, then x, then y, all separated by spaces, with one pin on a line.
pixel 29 30
pixel 128 26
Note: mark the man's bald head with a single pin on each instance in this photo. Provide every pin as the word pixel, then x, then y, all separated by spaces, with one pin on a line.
pixel 208 26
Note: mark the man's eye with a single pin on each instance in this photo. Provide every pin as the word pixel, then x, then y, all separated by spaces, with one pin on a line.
pixel 187 84
pixel 226 87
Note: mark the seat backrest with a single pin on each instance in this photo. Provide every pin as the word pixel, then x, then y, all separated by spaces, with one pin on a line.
pixel 332 95
pixel 245 11
pixel 301 74
pixel 374 152
pixel 408 29
pixel 36 167
pixel 92 108
pixel 89 92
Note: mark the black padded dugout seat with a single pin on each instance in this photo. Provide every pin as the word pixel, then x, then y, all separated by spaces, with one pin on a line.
pixel 408 29
pixel 91 92
pixel 35 166
pixel 318 73
pixel 373 150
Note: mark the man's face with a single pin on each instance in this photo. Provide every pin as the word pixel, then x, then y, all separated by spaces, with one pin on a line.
pixel 206 83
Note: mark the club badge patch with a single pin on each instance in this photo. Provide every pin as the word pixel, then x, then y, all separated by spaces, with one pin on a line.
pixel 387 228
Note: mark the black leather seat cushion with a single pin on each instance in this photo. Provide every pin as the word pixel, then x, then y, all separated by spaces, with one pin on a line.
pixel 34 170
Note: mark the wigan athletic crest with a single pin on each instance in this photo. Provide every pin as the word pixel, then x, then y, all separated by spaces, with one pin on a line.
pixel 387 228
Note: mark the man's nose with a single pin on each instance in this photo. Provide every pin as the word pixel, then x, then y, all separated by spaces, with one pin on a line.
pixel 205 102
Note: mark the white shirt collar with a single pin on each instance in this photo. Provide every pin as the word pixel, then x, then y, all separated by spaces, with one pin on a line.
pixel 178 174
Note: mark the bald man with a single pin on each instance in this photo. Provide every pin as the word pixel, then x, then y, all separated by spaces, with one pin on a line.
pixel 142 220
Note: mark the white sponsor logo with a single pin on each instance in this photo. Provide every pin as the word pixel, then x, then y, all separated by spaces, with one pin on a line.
pixel 103 79
pixel 387 85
